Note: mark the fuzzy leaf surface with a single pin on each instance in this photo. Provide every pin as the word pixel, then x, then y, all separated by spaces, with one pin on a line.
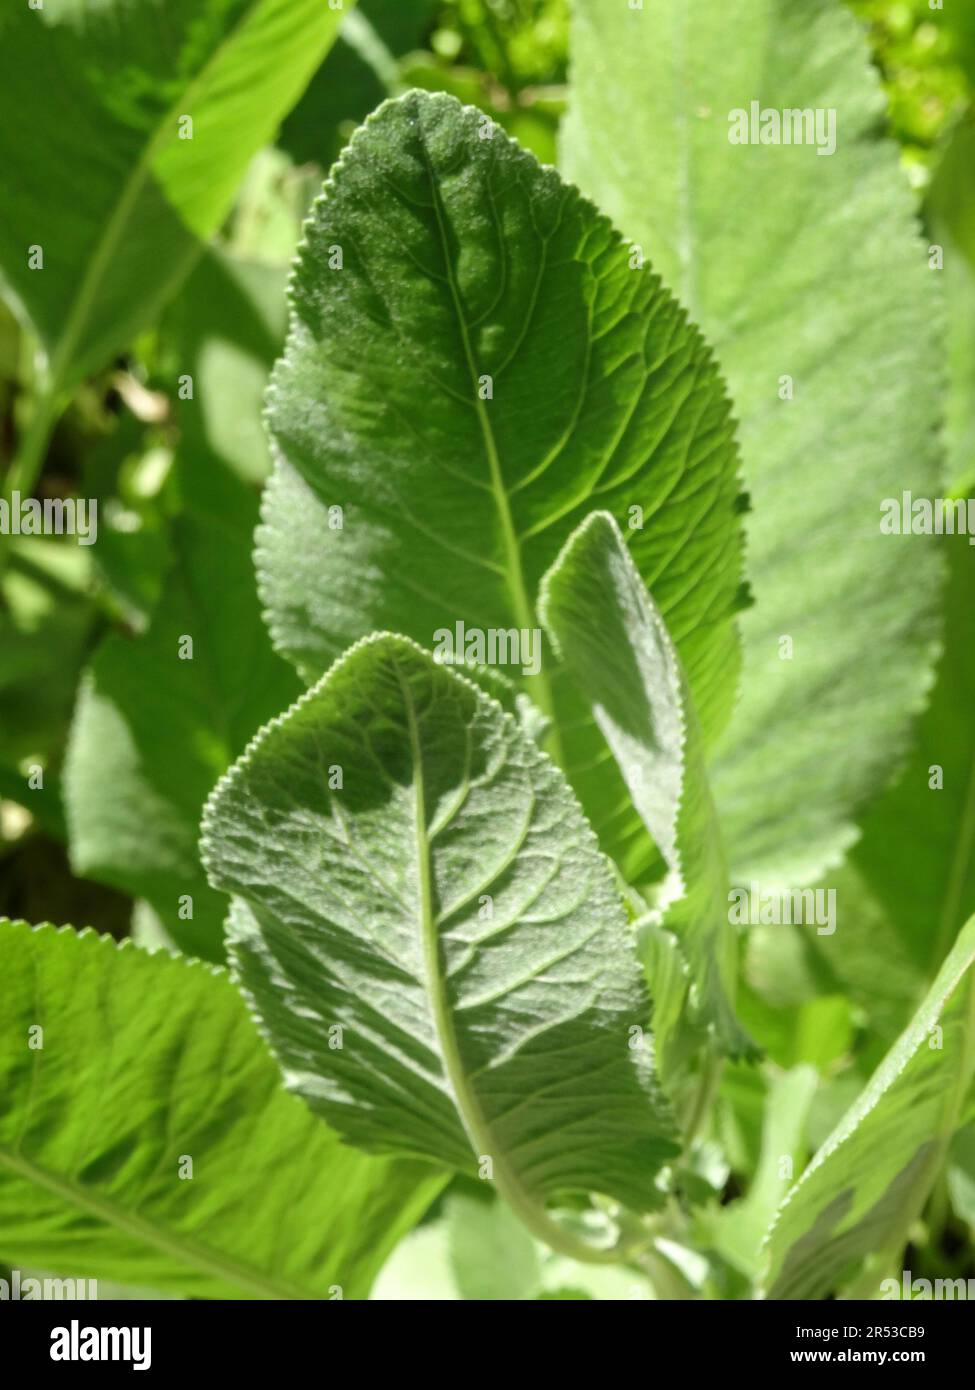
pixel 808 275
pixel 472 365
pixel 448 910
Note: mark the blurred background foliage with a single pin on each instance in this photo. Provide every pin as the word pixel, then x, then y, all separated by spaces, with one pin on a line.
pixel 926 55
pixel 177 483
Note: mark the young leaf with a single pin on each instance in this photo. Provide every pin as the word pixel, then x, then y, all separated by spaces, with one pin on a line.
pixel 806 271
pixel 616 647
pixel 162 715
pixel 870 1179
pixel 173 97
pixel 145 1136
pixel 475 359
pixel 414 878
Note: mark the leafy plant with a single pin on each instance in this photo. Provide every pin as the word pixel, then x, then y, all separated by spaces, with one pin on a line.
pixel 538 792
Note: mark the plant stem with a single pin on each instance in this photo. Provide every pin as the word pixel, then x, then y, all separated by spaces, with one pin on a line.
pixel 710 1072
pixel 939 1207
pixel 26 467
pixel 523 1203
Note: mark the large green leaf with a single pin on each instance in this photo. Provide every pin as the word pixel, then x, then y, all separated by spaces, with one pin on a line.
pixel 153 729
pixel 615 644
pixel 870 1179
pixel 145 1061
pixel 107 89
pixel 446 908
pixel 950 211
pixel 467 269
pixel 810 268
pixel 918 846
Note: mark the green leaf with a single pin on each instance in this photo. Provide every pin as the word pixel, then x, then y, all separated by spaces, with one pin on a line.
pixel 870 1179
pixel 419 1269
pixel 226 327
pixel 668 978
pixel 468 268
pixel 614 642
pixel 492 1255
pixel 123 80
pixel 869 959
pixel 918 848
pixel 737 1229
pixel 810 268
pixel 438 1262
pixel 961 1175
pixel 153 731
pixel 447 909
pixel 950 211
pixel 146 1061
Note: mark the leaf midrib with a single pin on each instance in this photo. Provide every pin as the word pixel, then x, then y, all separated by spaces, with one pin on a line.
pixel 524 609
pixel 178 1247
pixel 475 1122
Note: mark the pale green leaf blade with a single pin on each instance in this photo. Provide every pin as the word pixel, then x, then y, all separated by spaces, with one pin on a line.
pixel 447 908
pixel 119 83
pixel 225 329
pixel 473 363
pixel 871 1177
pixel 419 1269
pixel 158 721
pixel 616 647
pixel 950 212
pixel 801 266
pixel 147 1060
pixel 491 1254
pixel 918 846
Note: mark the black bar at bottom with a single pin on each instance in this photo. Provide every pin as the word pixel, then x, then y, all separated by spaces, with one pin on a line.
pixel 67 1339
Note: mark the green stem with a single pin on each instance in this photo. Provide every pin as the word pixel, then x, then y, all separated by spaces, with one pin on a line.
pixel 706 1087
pixel 938 1209
pixel 28 461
